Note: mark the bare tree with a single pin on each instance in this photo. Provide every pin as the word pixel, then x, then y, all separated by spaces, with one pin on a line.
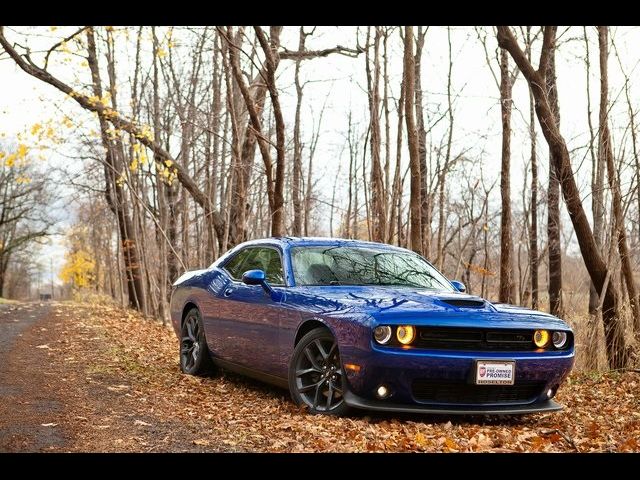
pixel 507 285
pixel 533 235
pixel 297 144
pixel 24 201
pixel 378 200
pixel 606 152
pixel 596 266
pixel 412 137
pixel 114 164
pixel 554 225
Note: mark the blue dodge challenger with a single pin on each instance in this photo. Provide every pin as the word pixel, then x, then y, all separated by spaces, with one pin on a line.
pixel 346 323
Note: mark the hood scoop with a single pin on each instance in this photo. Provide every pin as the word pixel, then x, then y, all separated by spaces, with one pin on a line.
pixel 464 303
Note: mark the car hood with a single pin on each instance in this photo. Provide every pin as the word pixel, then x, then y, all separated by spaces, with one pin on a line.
pixel 422 306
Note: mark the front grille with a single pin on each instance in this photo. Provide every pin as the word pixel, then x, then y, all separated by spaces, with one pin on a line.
pixel 454 338
pixel 460 392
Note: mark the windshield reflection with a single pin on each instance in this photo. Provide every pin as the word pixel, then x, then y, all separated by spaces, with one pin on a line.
pixel 324 266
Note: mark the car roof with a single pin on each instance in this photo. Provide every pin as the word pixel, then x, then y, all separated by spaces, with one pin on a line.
pixel 291 241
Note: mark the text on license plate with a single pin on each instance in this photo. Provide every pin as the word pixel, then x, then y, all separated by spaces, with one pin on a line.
pixel 495 373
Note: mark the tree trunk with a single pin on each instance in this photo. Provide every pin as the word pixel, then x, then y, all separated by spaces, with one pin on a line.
pixel 425 207
pixel 554 225
pixel 597 183
pixel 164 283
pixel 442 174
pixel 412 138
pixel 297 146
pixel 396 194
pixel 507 287
pixel 388 203
pixel 378 201
pixel 270 49
pixel 533 240
pixel 607 154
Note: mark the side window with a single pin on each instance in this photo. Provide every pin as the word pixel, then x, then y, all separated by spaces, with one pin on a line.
pixel 272 266
pixel 235 265
pixel 257 258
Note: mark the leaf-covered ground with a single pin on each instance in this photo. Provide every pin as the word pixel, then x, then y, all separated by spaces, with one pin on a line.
pixel 118 378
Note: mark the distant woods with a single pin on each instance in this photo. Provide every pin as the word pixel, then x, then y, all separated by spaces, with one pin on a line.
pixel 201 143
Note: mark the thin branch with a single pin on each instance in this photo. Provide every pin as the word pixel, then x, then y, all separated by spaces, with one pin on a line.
pixel 61 42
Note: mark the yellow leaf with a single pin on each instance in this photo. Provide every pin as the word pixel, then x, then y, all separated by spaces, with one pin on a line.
pixel 450 444
pixel 35 128
pixel 161 53
pixel 105 99
pixel 22 150
pixel 421 440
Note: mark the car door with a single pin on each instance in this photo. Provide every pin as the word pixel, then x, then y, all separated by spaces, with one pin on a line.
pixel 249 316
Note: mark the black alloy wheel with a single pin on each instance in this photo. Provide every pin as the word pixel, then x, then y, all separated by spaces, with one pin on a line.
pixel 316 378
pixel 194 354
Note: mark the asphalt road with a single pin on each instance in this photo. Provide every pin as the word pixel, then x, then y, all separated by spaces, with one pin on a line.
pixel 26 408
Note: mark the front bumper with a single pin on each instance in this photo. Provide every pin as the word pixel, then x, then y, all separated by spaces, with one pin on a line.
pixel 379 405
pixel 398 369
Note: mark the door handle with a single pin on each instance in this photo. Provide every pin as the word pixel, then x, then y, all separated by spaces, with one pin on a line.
pixel 228 291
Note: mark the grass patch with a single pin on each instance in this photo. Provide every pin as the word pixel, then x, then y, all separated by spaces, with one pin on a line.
pixel 7 301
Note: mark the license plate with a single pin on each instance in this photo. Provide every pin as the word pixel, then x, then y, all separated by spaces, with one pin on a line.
pixel 495 373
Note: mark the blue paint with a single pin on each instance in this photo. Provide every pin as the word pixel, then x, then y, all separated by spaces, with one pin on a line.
pixel 256 327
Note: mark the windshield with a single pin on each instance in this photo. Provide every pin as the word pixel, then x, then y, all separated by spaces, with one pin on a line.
pixel 327 265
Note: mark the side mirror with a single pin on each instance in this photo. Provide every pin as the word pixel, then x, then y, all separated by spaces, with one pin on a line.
pixel 254 277
pixel 258 277
pixel 459 286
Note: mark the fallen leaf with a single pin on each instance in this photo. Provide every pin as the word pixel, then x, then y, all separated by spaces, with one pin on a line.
pixel 421 440
pixel 451 444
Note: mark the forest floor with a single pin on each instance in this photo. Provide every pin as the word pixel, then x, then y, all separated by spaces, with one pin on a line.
pixel 96 378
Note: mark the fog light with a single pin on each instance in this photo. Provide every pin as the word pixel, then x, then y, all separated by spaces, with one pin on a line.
pixel 550 393
pixel 559 339
pixel 541 338
pixel 382 391
pixel 382 334
pixel 406 334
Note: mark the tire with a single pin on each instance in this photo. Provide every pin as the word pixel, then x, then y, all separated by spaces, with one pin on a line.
pixel 316 378
pixel 194 353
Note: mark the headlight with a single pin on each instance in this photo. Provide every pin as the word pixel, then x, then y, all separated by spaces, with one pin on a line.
pixel 541 338
pixel 559 339
pixel 382 334
pixel 406 334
